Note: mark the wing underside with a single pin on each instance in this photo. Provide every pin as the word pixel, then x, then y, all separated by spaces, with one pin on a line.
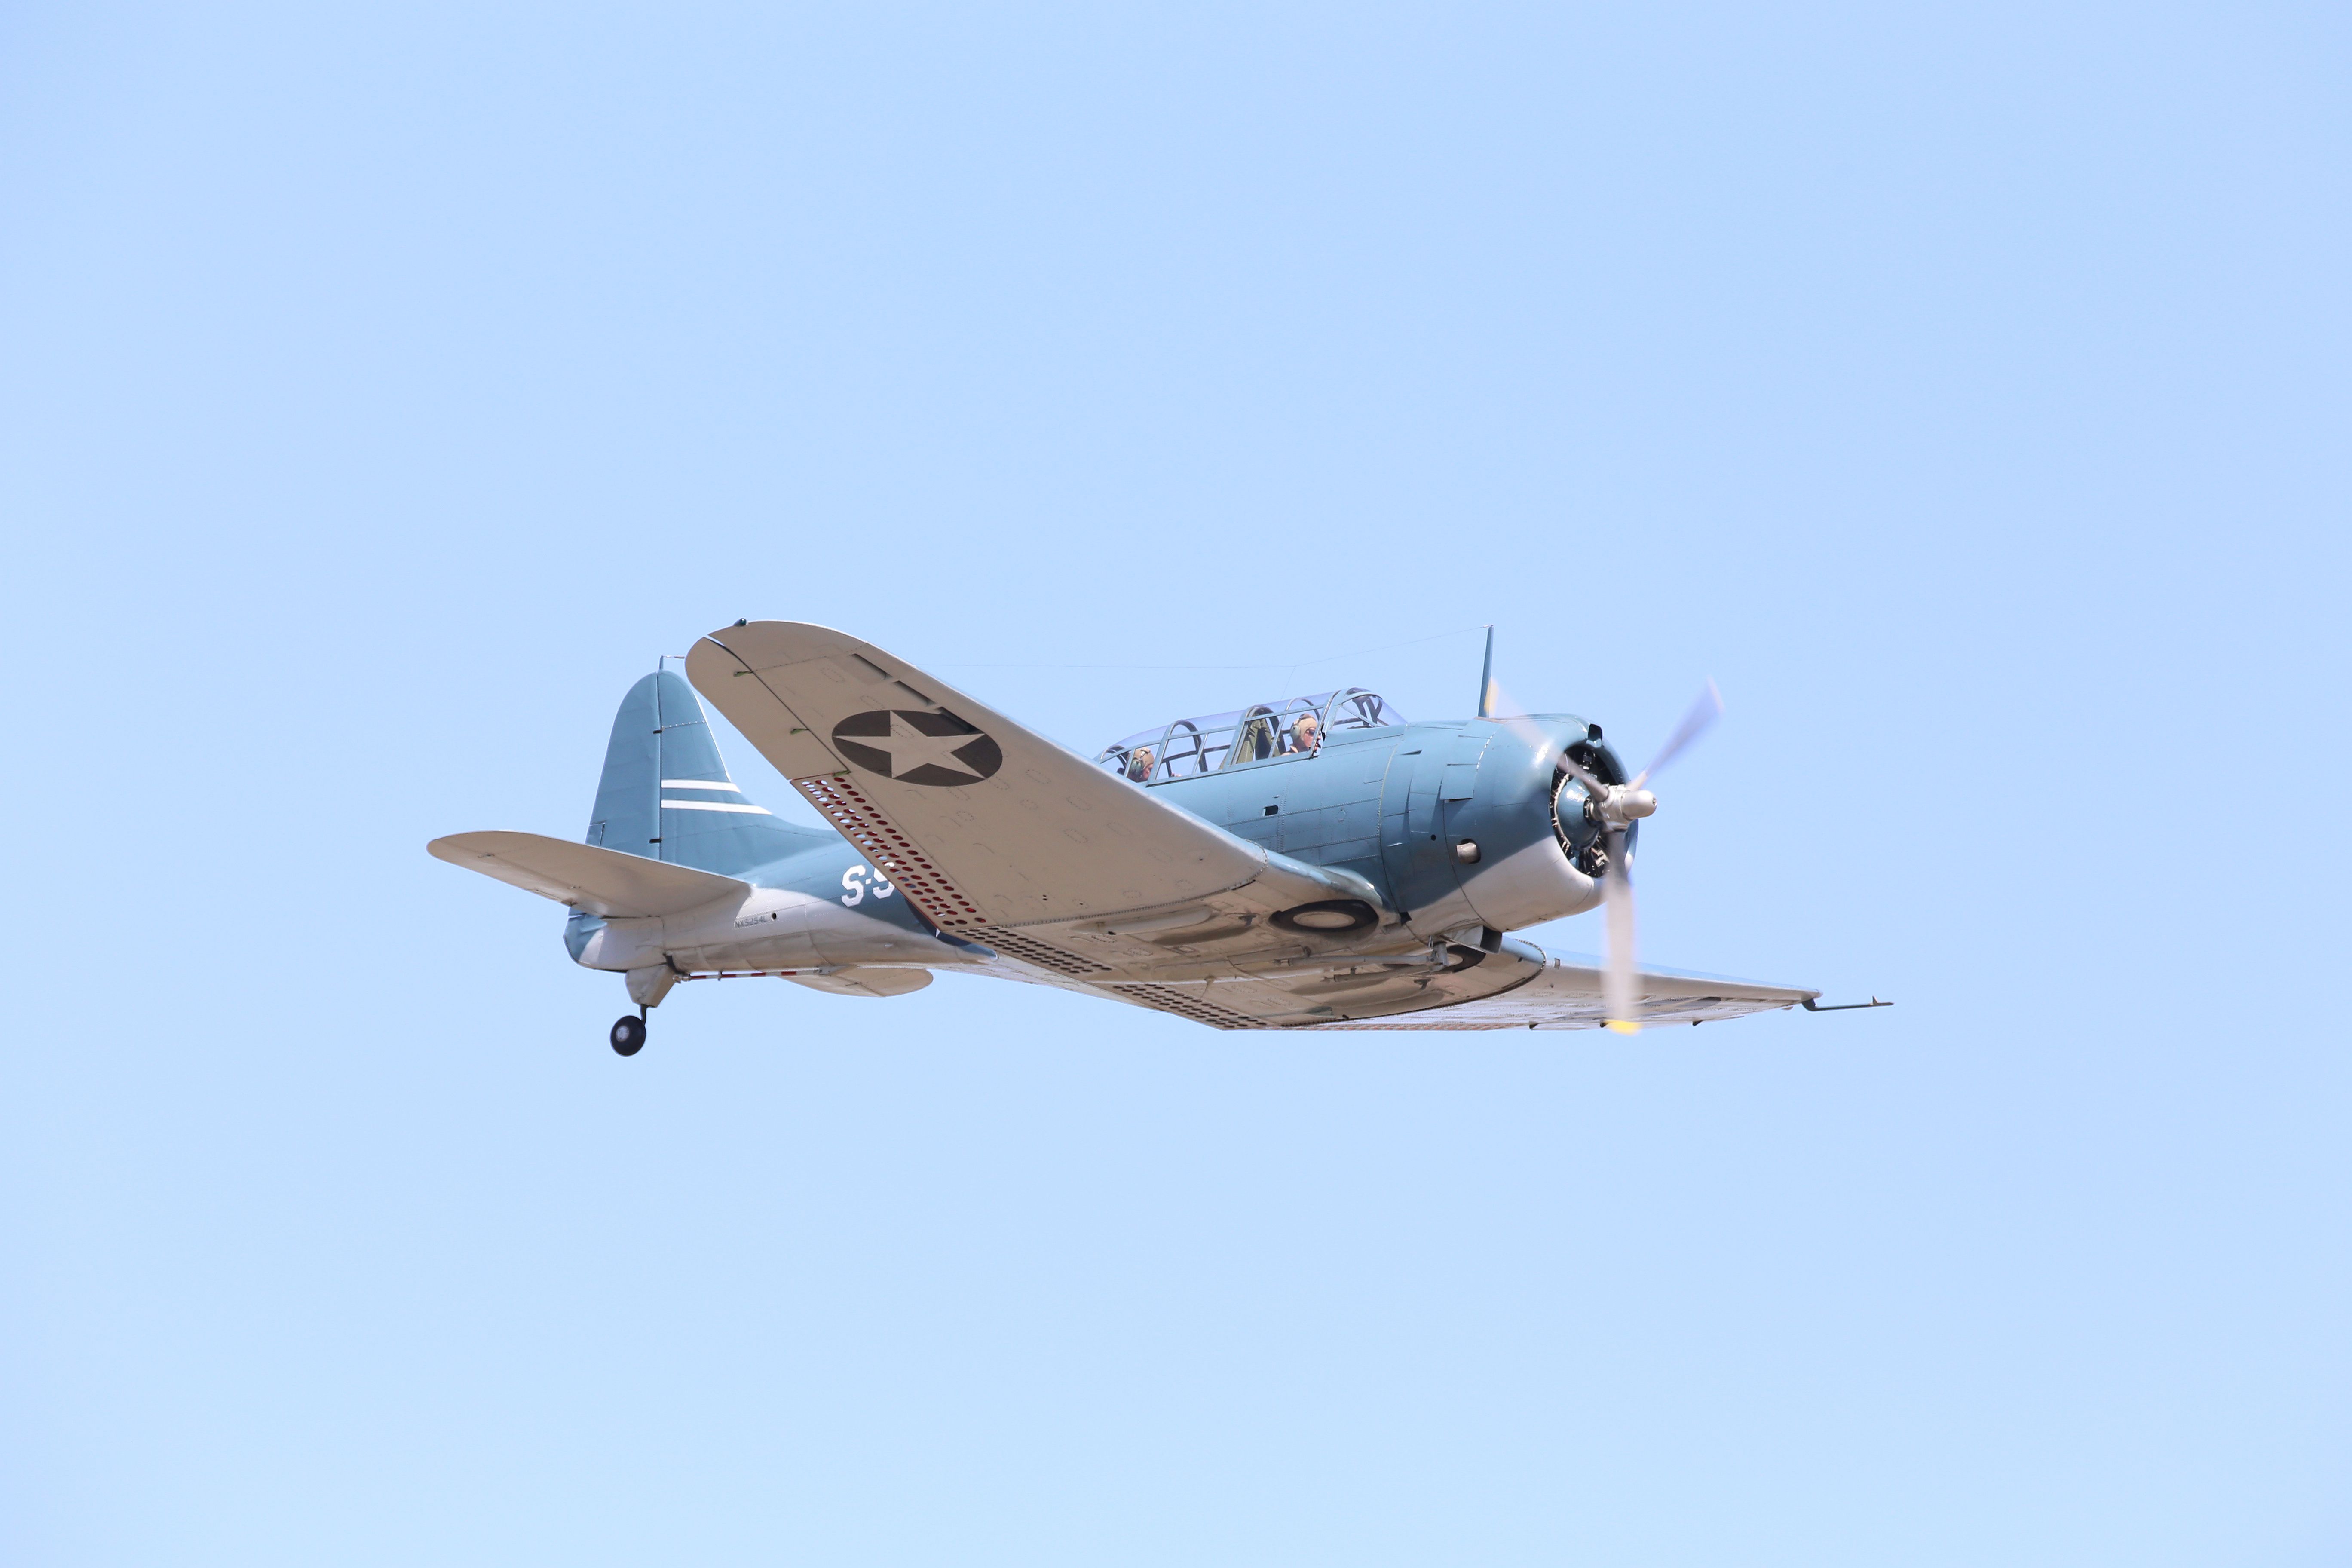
pixel 1553 993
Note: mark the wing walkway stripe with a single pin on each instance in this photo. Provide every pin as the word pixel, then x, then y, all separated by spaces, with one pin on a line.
pixel 712 806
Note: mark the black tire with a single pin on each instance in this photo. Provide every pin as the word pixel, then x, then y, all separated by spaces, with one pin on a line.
pixel 628 1034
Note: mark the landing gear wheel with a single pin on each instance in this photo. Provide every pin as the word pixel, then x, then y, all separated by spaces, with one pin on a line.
pixel 628 1034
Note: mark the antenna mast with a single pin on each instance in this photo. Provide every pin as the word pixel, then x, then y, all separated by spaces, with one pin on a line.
pixel 1487 679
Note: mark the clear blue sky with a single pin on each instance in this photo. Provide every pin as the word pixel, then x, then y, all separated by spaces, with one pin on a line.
pixel 1962 386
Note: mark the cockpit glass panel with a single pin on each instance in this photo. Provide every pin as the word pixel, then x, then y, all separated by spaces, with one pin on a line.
pixel 1264 733
pixel 1259 739
pixel 1196 746
pixel 1357 709
pixel 1291 729
pixel 1135 756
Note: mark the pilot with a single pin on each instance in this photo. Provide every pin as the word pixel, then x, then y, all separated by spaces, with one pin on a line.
pixel 1139 765
pixel 1306 735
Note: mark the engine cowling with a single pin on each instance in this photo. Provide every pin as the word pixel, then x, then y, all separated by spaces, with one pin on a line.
pixel 1522 847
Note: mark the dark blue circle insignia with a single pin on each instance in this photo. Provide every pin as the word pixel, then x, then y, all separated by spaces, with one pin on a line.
pixel 916 747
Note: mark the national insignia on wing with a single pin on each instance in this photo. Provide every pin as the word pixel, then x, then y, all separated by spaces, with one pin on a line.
pixel 913 746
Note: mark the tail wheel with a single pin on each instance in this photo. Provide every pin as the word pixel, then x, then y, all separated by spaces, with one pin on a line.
pixel 628 1034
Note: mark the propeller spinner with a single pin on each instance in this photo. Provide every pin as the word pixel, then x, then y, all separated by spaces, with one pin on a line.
pixel 1614 808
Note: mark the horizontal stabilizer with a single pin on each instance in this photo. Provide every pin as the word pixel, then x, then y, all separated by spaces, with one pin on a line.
pixel 602 881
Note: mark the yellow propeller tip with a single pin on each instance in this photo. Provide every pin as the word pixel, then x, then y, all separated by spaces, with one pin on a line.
pixel 1622 1026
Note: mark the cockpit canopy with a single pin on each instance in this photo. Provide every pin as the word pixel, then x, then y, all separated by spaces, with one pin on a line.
pixel 1267 731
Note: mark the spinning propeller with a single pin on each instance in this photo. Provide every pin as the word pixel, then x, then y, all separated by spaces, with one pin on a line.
pixel 1616 808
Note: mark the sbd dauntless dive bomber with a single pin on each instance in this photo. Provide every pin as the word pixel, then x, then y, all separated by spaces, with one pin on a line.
pixel 1319 863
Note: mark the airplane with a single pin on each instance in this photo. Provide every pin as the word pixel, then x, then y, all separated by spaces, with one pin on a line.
pixel 1314 863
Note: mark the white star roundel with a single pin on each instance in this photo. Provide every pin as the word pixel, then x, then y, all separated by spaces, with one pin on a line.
pixel 916 747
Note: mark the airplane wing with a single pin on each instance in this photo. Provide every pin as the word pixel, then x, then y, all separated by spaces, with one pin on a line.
pixel 1520 987
pixel 981 821
pixel 602 881
pixel 1566 995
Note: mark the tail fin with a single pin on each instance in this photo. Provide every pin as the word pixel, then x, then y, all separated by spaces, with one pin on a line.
pixel 667 795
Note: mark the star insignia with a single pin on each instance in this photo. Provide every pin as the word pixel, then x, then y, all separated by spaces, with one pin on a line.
pixel 912 746
pixel 910 749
